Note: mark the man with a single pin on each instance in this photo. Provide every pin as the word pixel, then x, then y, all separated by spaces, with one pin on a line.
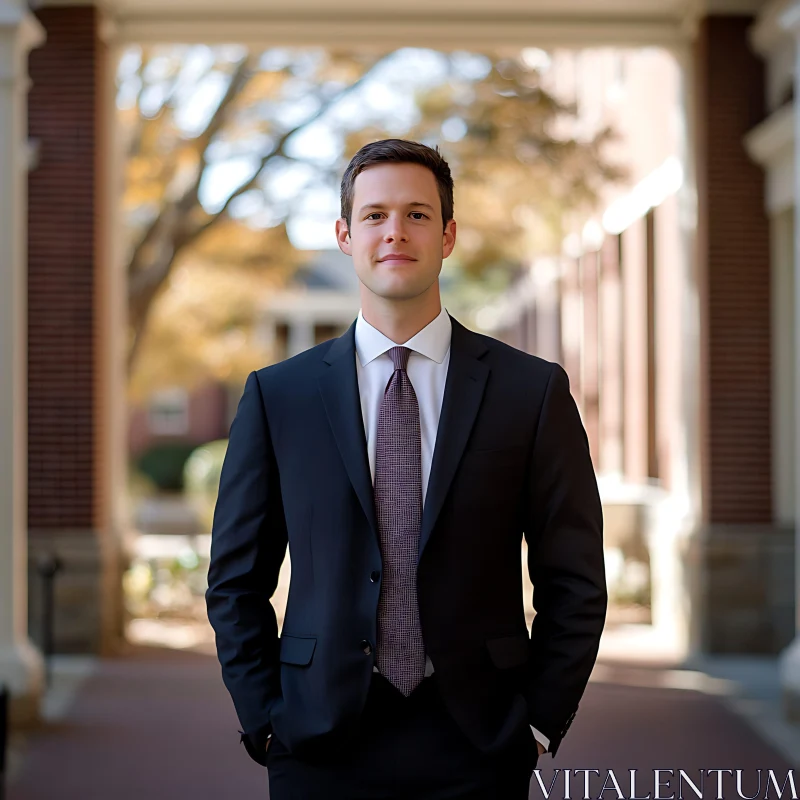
pixel 402 463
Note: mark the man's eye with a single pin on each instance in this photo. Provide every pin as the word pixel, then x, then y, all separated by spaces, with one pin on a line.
pixel 377 213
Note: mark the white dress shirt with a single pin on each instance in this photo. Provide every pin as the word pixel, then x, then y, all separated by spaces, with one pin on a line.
pixel 427 371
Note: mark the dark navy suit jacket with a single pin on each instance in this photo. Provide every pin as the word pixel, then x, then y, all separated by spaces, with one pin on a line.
pixel 511 458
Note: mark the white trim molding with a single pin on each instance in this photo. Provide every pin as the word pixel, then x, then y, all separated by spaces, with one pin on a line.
pixel 20 32
pixel 789 18
pixel 442 24
pixel 769 39
pixel 441 31
pixel 20 663
pixel 771 145
pixel 790 658
pixel 768 34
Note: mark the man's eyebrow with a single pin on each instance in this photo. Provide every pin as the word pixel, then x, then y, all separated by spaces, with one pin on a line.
pixel 381 206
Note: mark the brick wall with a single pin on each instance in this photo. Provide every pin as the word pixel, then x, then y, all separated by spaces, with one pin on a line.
pixel 68 512
pixel 746 601
pixel 733 260
pixel 61 269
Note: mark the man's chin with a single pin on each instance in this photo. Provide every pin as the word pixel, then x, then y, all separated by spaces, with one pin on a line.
pixel 399 293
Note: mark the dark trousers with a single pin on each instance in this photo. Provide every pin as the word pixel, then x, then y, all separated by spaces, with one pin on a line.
pixel 405 748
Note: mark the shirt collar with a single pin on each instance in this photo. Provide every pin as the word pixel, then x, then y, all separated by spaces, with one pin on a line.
pixel 433 341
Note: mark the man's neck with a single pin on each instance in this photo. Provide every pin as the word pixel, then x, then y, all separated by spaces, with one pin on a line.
pixel 399 321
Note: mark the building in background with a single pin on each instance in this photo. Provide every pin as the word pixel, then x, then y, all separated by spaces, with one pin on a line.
pixel 609 308
pixel 320 303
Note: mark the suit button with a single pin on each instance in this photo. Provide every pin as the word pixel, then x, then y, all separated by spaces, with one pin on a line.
pixel 374 576
pixel 366 646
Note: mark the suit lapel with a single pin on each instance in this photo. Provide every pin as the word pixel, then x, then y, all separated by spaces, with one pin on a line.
pixel 463 392
pixel 339 388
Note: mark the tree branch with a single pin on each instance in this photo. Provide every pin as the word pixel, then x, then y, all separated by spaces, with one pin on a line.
pixel 277 149
pixel 241 75
pixel 189 199
pixel 168 234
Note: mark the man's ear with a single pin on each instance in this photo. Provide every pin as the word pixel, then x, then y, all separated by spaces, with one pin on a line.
pixel 343 236
pixel 449 238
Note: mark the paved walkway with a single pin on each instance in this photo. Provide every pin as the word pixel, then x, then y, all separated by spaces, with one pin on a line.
pixel 158 724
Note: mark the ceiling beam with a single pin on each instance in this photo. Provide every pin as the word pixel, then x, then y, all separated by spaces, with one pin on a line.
pixel 437 31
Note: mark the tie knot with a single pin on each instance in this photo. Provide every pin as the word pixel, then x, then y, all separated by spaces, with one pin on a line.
pixel 400 357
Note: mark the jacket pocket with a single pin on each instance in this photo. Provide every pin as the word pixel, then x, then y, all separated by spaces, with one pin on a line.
pixel 297 649
pixel 509 651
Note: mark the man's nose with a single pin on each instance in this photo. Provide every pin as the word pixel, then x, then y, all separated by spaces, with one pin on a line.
pixel 396 232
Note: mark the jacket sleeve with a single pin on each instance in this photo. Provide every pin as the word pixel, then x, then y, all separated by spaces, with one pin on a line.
pixel 248 545
pixel 564 532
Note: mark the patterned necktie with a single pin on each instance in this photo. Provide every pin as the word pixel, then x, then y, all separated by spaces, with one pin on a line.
pixel 398 505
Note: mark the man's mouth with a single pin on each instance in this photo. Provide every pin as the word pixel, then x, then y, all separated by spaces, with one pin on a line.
pixel 396 258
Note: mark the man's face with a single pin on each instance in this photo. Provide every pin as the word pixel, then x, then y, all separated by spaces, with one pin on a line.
pixel 396 212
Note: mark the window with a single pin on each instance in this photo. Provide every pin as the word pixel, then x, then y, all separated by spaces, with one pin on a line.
pixel 168 414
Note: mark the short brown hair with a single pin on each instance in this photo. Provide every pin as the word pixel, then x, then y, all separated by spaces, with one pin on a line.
pixel 398 151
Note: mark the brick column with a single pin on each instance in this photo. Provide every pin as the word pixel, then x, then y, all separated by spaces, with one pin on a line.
pixel 69 329
pixel 745 575
pixel 20 663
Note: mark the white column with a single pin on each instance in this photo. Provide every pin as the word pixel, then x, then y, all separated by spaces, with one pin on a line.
pixel 112 318
pixel 790 658
pixel 20 663
pixel 301 335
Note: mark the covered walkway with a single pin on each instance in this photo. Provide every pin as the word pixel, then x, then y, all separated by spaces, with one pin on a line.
pixel 158 723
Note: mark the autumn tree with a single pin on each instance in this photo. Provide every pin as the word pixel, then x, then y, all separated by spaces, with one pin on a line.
pixel 211 131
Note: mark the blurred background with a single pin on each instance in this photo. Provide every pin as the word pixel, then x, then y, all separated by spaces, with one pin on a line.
pixel 169 181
